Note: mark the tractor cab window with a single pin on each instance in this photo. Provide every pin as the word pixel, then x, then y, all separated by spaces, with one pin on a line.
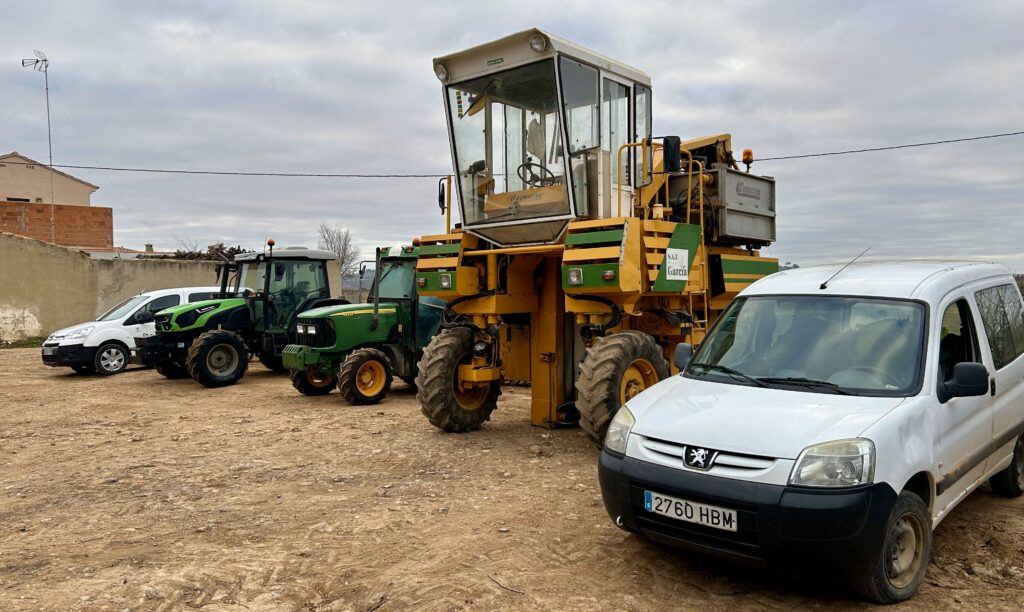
pixel 294 282
pixel 250 278
pixel 507 139
pixel 396 280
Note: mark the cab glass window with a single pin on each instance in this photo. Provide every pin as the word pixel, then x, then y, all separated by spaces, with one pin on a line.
pixel 154 307
pixel 997 305
pixel 199 297
pixel 579 92
pixel 615 123
pixel 643 127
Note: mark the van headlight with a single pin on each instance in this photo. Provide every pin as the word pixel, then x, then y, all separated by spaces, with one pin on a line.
pixel 842 463
pixel 618 431
pixel 78 334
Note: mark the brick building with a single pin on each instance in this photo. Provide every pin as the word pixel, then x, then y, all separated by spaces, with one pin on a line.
pixel 69 220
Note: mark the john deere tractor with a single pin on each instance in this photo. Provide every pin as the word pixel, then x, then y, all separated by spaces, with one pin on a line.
pixel 261 295
pixel 614 245
pixel 359 348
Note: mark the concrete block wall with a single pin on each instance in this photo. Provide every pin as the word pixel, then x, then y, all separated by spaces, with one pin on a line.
pixel 44 287
pixel 82 226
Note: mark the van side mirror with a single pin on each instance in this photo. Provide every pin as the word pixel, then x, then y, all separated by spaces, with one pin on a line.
pixel 144 316
pixel 969 380
pixel 684 352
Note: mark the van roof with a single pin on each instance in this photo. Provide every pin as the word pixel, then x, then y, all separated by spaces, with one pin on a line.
pixel 177 289
pixel 929 280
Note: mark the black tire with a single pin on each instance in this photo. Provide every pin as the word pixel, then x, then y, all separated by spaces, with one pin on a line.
pixel 217 358
pixel 877 582
pixel 307 382
pixel 444 406
pixel 111 358
pixel 365 377
pixel 83 369
pixel 1010 482
pixel 172 372
pixel 273 363
pixel 616 367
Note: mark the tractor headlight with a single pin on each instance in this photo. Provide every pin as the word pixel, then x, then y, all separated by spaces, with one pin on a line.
pixel 446 281
pixel 843 463
pixel 618 431
pixel 311 330
pixel 441 72
pixel 575 276
pixel 538 43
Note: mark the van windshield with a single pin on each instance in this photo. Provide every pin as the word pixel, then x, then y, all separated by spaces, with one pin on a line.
pixel 821 344
pixel 121 310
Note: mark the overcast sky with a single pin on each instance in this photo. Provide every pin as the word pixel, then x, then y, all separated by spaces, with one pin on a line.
pixel 347 87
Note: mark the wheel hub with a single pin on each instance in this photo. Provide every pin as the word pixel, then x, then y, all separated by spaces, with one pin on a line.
pixel 111 359
pixel 639 375
pixel 222 359
pixel 904 554
pixel 370 378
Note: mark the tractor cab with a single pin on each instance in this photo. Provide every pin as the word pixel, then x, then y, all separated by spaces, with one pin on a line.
pixel 537 126
pixel 276 286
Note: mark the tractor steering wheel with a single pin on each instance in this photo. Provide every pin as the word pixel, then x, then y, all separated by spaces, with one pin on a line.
pixel 545 179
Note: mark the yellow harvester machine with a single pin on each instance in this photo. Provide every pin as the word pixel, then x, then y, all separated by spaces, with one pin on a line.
pixel 600 246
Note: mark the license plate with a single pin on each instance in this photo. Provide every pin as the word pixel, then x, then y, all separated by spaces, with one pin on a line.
pixel 49 351
pixel 690 512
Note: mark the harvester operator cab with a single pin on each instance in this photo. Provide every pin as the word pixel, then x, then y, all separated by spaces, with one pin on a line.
pixel 536 125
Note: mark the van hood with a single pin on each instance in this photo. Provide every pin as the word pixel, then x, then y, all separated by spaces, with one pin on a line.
pixel 60 334
pixel 751 420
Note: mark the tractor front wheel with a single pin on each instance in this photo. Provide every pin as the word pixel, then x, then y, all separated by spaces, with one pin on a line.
pixel 218 358
pixel 309 382
pixel 365 376
pixel 445 401
pixel 615 370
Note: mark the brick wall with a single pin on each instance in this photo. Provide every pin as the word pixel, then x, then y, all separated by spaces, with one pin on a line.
pixel 83 226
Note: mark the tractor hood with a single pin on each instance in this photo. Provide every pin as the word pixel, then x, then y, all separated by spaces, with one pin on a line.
pixel 349 310
pixel 194 314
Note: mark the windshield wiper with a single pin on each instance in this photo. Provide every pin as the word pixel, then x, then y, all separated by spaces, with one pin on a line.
pixel 798 381
pixel 714 367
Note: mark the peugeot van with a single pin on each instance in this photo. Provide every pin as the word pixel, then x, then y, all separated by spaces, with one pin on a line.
pixel 104 345
pixel 831 419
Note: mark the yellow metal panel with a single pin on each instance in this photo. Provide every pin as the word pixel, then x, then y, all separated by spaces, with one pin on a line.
pixel 729 277
pixel 436 263
pixel 629 271
pixel 546 347
pixel 661 227
pixel 467 280
pixel 655 259
pixel 655 242
pixel 590 224
pixel 469 373
pixel 572 255
pixel 440 238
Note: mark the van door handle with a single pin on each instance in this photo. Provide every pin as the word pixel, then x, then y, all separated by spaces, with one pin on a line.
pixel 993 386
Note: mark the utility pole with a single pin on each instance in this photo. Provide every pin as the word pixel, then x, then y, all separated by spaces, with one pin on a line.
pixel 41 64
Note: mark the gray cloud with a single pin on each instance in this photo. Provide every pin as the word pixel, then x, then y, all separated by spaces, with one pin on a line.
pixel 343 87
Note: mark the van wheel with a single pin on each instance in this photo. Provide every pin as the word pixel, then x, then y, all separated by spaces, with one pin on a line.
pixel 365 376
pixel 906 551
pixel 111 358
pixel 1010 482
pixel 218 358
pixel 616 369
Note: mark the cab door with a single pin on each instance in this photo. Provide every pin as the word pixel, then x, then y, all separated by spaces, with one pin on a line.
pixel 1002 316
pixel 963 424
pixel 616 130
pixel 140 324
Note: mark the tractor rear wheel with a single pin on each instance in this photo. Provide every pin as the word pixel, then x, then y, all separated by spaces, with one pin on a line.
pixel 444 401
pixel 365 376
pixel 218 358
pixel 615 370
pixel 272 363
pixel 309 382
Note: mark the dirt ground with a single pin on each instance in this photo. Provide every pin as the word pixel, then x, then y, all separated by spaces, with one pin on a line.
pixel 140 493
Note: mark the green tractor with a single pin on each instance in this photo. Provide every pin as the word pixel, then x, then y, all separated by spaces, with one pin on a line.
pixel 359 348
pixel 261 295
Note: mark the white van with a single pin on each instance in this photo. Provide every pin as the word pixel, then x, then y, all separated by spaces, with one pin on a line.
pixel 827 425
pixel 105 345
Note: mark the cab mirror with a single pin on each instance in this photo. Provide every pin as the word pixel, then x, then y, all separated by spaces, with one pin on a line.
pixel 682 356
pixel 362 270
pixel 969 380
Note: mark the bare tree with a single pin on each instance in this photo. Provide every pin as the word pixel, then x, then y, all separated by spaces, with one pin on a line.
pixel 338 240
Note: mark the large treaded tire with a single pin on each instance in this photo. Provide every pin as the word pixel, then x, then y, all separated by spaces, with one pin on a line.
pixel 308 383
pixel 874 582
pixel 363 392
pixel 598 388
pixel 199 365
pixel 272 363
pixel 435 384
pixel 1010 481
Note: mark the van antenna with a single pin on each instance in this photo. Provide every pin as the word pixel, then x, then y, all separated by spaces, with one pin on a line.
pixel 824 285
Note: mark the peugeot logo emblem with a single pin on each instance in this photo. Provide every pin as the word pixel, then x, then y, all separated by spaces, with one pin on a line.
pixel 699 458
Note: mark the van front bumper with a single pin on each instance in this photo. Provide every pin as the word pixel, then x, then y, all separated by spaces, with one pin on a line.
pixel 68 355
pixel 794 530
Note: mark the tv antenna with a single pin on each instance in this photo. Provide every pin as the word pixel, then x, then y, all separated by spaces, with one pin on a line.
pixel 824 285
pixel 41 63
